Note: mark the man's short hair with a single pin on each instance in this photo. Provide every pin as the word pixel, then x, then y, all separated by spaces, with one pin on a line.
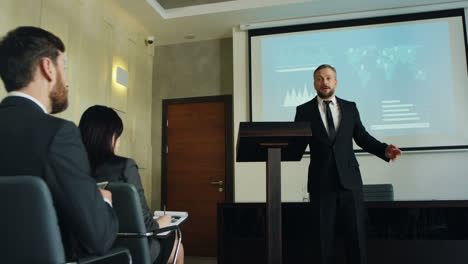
pixel 324 66
pixel 20 51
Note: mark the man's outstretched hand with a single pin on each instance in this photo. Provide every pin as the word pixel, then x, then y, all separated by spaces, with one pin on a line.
pixel 392 152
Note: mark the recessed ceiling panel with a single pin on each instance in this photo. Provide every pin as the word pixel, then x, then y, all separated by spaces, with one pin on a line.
pixel 169 4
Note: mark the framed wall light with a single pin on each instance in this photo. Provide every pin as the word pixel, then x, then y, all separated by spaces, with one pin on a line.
pixel 121 76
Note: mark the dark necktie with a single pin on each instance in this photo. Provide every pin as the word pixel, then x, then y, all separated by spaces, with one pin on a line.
pixel 331 125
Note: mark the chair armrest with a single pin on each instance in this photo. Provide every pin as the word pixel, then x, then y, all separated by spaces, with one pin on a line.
pixel 147 234
pixel 165 229
pixel 135 235
pixel 114 255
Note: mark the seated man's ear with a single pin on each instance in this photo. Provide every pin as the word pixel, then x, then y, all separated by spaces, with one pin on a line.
pixel 47 69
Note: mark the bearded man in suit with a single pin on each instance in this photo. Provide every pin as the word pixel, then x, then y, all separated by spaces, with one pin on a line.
pixel 34 143
pixel 334 180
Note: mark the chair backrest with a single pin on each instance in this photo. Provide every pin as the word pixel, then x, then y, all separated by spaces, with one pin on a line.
pixel 30 230
pixel 378 192
pixel 127 206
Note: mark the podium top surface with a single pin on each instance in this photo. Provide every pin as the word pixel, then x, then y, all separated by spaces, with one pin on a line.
pixel 274 129
pixel 255 138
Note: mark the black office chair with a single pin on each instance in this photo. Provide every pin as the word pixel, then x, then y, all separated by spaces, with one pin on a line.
pixel 30 231
pixel 132 230
pixel 378 192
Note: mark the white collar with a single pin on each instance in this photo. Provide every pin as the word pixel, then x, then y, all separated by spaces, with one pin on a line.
pixel 27 96
pixel 320 100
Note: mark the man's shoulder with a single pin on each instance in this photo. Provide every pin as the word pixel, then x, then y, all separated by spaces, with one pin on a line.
pixel 59 121
pixel 29 121
pixel 343 101
pixel 26 113
pixel 307 105
pixel 60 126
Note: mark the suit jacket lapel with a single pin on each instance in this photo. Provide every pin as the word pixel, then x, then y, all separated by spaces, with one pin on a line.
pixel 343 112
pixel 317 124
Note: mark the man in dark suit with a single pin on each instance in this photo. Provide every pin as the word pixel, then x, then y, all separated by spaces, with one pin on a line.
pixel 334 180
pixel 32 67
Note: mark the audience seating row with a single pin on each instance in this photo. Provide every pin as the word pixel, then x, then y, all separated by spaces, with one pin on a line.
pixel 31 232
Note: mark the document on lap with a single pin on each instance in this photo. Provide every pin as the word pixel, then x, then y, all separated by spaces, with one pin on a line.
pixel 177 218
pixel 102 185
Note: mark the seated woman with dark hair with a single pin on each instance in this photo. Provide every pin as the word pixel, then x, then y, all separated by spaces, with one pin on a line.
pixel 101 128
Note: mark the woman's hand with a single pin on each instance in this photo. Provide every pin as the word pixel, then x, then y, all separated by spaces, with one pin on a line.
pixel 164 221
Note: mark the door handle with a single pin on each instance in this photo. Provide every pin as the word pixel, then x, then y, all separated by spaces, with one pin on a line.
pixel 220 183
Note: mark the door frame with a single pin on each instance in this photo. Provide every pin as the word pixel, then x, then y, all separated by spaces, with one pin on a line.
pixel 229 142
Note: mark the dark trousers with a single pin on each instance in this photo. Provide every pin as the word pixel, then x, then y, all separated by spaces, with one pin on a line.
pixel 344 210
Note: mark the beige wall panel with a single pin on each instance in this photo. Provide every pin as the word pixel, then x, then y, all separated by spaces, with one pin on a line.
pixel 96 74
pixel 124 145
pixel 124 103
pixel 13 14
pixel 144 150
pixel 118 98
pixel 146 181
pixel 139 110
pixel 143 143
pixel 63 18
pixel 142 111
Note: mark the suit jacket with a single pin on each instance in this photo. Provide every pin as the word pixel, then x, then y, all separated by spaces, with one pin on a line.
pixel 120 169
pixel 325 155
pixel 37 144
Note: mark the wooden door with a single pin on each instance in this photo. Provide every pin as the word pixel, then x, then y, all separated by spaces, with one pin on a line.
pixel 196 166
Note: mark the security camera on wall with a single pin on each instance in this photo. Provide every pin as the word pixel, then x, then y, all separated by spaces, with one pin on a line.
pixel 149 40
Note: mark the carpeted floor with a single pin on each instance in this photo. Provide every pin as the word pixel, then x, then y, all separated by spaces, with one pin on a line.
pixel 199 260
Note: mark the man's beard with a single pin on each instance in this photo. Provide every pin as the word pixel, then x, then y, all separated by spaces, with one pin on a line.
pixel 59 97
pixel 325 95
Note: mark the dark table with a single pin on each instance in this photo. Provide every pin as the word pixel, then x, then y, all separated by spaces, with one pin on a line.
pixel 400 232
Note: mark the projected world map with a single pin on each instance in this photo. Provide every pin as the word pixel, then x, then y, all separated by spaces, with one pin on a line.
pixel 389 71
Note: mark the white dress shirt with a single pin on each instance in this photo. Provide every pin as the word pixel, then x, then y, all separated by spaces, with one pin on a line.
pixel 335 110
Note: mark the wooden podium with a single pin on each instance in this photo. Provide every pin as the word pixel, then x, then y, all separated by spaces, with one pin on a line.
pixel 272 142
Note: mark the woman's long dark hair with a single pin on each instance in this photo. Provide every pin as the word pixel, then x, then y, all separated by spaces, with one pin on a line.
pixel 98 125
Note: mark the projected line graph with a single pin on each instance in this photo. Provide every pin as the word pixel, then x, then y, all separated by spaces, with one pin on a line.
pixel 295 97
